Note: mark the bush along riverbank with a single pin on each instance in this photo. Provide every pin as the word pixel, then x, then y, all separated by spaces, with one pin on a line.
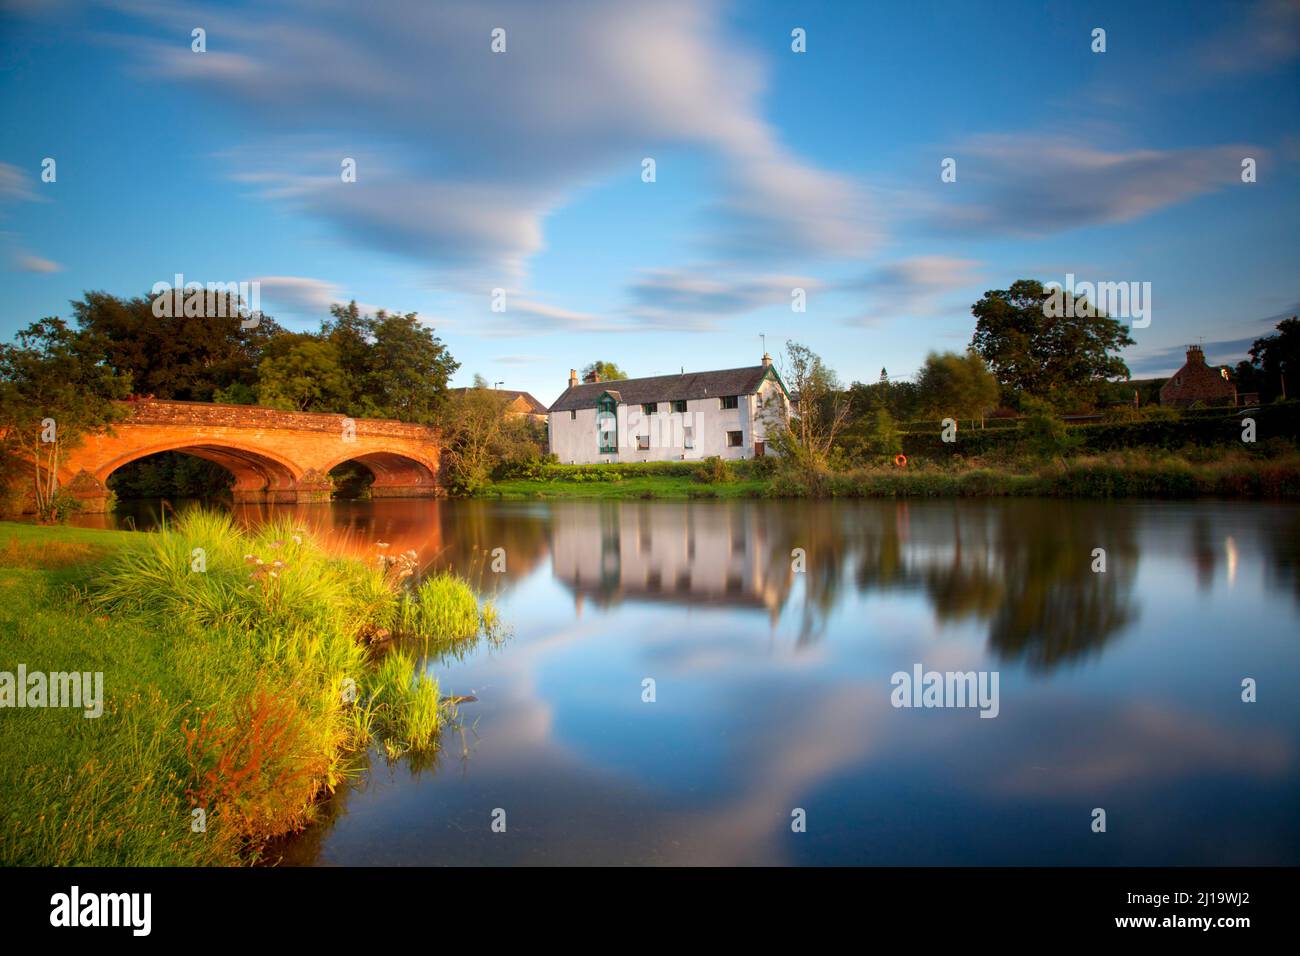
pixel 1266 472
pixel 245 675
pixel 1158 452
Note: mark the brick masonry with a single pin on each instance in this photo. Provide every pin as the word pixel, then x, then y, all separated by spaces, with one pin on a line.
pixel 1198 382
pixel 275 456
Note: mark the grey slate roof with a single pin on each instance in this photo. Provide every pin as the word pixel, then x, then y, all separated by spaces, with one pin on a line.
pixel 665 388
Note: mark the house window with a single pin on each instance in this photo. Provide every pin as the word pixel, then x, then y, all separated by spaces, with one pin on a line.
pixel 734 439
pixel 679 406
pixel 643 442
pixel 573 415
pixel 730 401
pixel 649 408
pixel 689 437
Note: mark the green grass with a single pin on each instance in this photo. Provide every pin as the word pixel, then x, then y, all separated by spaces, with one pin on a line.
pixel 1143 472
pixel 244 688
pixel 670 487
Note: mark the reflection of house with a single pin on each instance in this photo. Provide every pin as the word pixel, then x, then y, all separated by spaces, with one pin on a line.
pixel 1198 382
pixel 684 553
pixel 668 417
pixel 518 403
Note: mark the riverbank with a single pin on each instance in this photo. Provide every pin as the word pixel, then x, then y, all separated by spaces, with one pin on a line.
pixel 244 675
pixel 1140 473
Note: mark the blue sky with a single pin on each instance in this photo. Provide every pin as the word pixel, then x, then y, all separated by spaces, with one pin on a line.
pixel 774 169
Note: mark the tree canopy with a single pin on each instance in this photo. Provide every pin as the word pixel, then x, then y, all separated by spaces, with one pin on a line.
pixel 1062 359
pixel 608 371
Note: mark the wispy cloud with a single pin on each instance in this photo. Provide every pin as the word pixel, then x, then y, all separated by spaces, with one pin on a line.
pixel 916 287
pixel 463 153
pixel 1031 185
pixel 695 300
pixel 29 263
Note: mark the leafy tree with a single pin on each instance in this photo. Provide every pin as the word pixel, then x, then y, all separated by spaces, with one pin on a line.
pixel 479 436
pixel 820 408
pixel 1043 431
pixel 1276 359
pixel 304 376
pixel 960 386
pixel 396 366
pixel 608 371
pixel 883 437
pixel 189 358
pixel 55 387
pixel 1059 359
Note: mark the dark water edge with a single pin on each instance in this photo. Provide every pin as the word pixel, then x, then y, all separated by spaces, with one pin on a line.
pixel 1118 690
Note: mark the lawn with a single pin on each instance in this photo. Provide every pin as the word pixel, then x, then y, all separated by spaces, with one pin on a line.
pixel 244 688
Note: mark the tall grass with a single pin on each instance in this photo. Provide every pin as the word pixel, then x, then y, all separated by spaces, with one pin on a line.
pixel 258 688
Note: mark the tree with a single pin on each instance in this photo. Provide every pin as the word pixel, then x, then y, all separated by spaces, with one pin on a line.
pixel 189 358
pixel 479 435
pixel 820 407
pixel 1276 359
pixel 304 376
pixel 395 366
pixel 957 386
pixel 608 371
pixel 1062 359
pixel 883 437
pixel 55 387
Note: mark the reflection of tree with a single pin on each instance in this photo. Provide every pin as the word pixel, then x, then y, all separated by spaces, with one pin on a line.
pixel 473 529
pixel 1282 539
pixel 1057 608
pixel 1203 553
pixel 1023 566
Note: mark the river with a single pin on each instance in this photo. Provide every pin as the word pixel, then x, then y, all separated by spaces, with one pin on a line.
pixel 714 683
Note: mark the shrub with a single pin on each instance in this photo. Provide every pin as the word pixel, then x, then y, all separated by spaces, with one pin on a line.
pixel 713 471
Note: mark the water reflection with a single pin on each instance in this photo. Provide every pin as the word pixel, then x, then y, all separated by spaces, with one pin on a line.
pixel 1120 688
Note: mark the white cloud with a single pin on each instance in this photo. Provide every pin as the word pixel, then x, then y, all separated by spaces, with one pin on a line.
pixel 695 299
pixel 1034 185
pixel 914 288
pixel 30 263
pixel 462 153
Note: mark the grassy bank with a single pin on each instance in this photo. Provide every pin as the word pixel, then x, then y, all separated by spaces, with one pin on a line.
pixel 244 675
pixel 1151 473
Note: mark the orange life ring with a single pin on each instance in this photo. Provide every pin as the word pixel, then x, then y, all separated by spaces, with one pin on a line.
pixel 900 460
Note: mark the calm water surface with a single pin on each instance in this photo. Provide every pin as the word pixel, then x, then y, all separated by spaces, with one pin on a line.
pixel 1120 690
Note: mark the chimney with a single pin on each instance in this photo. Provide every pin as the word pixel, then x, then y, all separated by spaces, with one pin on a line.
pixel 592 376
pixel 767 360
pixel 573 378
pixel 1195 355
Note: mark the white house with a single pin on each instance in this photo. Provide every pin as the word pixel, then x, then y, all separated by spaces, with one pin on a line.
pixel 668 417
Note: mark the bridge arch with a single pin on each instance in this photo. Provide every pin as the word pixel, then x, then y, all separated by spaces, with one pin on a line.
pixel 261 475
pixel 397 474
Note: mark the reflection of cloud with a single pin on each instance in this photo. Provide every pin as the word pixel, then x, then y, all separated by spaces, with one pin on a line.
pixel 832 732
pixel 1139 743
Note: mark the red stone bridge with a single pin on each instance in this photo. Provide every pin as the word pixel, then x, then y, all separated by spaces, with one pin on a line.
pixel 275 456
